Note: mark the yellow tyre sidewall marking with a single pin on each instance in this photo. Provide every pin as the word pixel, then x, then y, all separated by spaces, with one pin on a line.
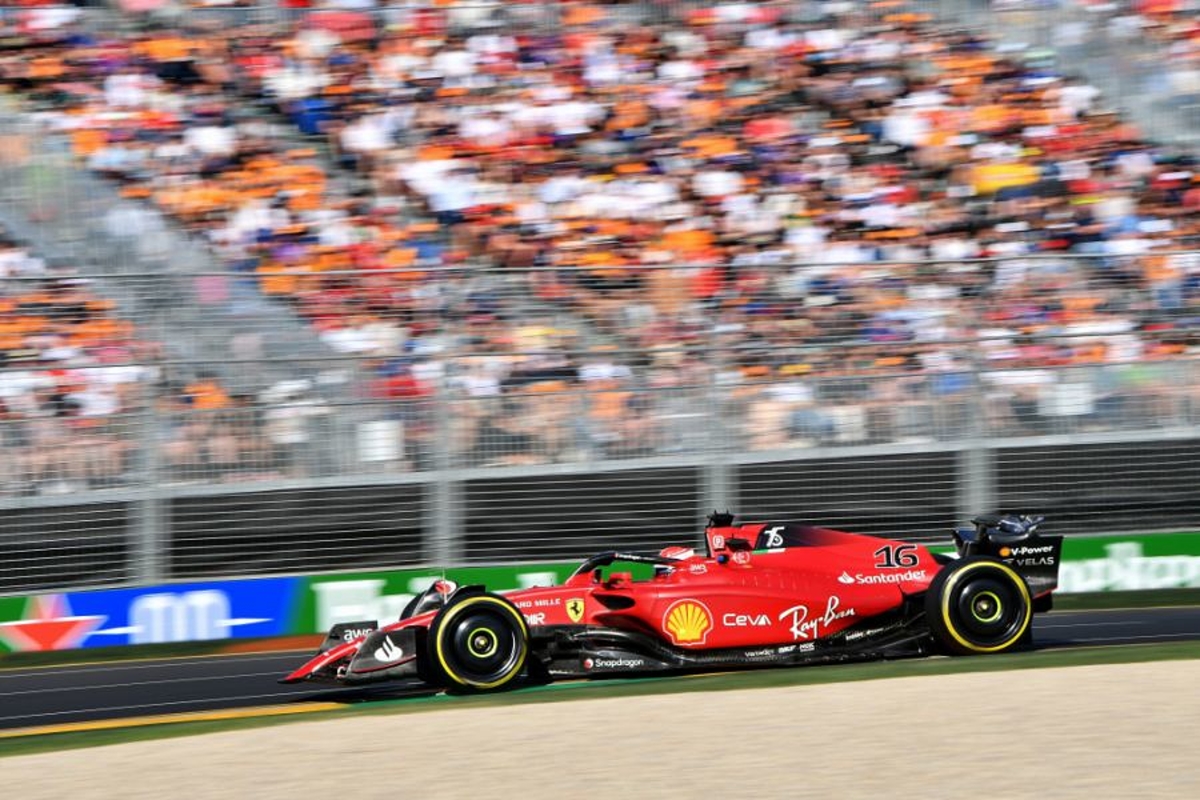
pixel 474 601
pixel 948 589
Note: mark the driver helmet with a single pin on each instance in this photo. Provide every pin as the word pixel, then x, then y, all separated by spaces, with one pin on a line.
pixel 677 552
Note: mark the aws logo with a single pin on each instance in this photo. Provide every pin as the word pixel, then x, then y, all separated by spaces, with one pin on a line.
pixel 687 622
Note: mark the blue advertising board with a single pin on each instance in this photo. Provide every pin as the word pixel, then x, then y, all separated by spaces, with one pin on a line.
pixel 185 612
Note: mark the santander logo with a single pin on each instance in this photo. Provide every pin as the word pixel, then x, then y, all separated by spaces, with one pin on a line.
pixel 389 652
pixel 845 577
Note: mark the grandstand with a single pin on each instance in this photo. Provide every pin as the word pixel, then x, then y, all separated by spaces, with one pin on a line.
pixel 412 244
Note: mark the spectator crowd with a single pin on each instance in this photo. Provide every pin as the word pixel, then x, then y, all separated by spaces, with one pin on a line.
pixel 579 225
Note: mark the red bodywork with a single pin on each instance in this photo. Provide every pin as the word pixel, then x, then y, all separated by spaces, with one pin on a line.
pixel 743 598
pixel 743 592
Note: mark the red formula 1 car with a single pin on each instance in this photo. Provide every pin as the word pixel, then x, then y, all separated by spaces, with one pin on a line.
pixel 763 594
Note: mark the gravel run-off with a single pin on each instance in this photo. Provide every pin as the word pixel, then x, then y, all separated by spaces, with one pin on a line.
pixel 1120 731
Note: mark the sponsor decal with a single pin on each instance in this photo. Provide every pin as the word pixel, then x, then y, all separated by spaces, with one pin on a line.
pixel 774 536
pixel 805 648
pixel 614 663
pixel 350 634
pixel 1125 568
pixel 787 648
pixel 732 620
pixel 854 636
pixel 1025 550
pixel 575 609
pixel 538 618
pixel 49 624
pixel 1044 561
pixel 541 602
pixel 687 622
pixel 897 556
pixel 718 542
pixel 389 652
pixel 767 653
pixel 1032 551
pixel 803 626
pixel 698 569
pixel 1026 556
pixel 741 557
pixel 881 577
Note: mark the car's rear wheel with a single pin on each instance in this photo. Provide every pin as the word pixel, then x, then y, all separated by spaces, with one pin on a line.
pixel 978 605
pixel 478 643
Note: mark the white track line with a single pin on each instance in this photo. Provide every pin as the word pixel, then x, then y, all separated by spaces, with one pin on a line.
pixel 60 689
pixel 1037 626
pixel 122 666
pixel 1191 635
pixel 290 695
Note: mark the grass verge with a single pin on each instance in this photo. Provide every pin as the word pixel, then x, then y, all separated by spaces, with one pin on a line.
pixel 580 690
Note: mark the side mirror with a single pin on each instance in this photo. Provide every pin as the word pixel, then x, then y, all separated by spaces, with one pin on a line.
pixel 736 543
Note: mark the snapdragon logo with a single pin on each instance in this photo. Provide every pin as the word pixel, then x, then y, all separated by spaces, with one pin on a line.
pixel 613 663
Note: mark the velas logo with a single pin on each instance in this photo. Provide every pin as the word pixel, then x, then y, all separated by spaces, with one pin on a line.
pixel 687 622
pixel 48 624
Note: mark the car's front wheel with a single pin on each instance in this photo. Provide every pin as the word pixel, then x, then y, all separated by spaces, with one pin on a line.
pixel 478 642
pixel 978 605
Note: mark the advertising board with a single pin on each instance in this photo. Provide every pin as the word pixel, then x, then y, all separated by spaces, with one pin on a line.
pixel 264 607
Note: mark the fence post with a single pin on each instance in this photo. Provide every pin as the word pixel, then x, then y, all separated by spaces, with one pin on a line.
pixel 446 502
pixel 149 520
pixel 719 491
pixel 976 472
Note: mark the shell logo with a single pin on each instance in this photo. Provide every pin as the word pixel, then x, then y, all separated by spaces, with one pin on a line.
pixel 687 622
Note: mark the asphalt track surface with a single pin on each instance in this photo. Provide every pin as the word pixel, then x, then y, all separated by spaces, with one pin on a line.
pixel 39 696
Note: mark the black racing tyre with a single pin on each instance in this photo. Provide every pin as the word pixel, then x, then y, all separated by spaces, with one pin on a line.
pixel 978 605
pixel 478 643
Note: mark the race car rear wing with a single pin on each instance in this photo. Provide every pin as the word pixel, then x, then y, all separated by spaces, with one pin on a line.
pixel 1014 540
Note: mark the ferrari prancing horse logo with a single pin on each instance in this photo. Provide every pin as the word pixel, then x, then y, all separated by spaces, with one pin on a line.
pixel 575 609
